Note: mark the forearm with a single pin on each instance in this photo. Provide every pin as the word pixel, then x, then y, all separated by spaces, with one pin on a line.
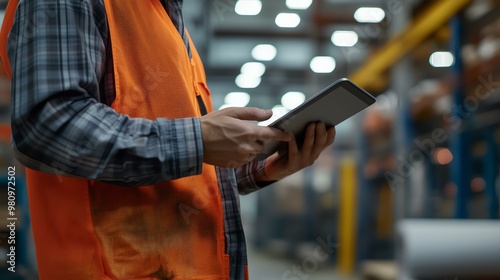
pixel 90 140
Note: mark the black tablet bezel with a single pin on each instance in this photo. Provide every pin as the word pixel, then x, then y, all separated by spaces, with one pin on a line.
pixel 352 88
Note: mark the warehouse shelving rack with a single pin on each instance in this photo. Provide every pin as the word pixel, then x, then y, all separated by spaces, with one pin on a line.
pixel 482 126
pixel 460 143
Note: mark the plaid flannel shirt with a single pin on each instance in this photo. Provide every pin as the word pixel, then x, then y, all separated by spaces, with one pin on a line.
pixel 62 88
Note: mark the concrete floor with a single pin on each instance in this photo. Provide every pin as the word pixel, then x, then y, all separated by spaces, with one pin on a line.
pixel 265 267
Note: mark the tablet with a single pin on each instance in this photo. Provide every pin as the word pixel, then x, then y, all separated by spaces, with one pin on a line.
pixel 334 104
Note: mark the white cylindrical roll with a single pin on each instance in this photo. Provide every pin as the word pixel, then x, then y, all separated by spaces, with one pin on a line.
pixel 449 248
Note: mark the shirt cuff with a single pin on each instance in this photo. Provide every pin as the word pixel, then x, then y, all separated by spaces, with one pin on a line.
pixel 246 177
pixel 182 141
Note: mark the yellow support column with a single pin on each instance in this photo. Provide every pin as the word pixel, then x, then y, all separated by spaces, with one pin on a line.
pixel 347 216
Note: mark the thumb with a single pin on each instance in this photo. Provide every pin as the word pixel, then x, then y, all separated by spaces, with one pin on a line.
pixel 249 114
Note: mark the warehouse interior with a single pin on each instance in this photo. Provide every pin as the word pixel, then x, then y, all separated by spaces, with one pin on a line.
pixel 411 187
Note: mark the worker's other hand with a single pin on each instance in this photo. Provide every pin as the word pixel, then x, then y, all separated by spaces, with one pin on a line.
pixel 229 140
pixel 317 139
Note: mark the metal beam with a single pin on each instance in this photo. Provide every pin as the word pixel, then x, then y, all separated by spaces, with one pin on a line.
pixel 421 28
pixel 460 140
pixel 490 165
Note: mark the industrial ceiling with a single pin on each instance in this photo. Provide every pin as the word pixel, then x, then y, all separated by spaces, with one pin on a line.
pixel 225 40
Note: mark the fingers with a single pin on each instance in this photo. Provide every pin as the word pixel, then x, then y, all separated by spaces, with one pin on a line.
pixel 320 139
pixel 330 136
pixel 256 114
pixel 309 138
pixel 317 138
pixel 248 114
pixel 293 149
pixel 273 134
pixel 321 135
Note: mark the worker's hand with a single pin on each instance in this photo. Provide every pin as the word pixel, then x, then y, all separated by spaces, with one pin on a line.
pixel 317 139
pixel 230 141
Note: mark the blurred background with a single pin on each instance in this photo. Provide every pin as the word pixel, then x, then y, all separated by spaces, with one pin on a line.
pixel 411 187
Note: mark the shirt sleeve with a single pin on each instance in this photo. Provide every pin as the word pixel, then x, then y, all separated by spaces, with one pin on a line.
pixel 57 53
pixel 245 177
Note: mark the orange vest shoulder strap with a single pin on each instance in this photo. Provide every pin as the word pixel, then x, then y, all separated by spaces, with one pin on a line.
pixel 6 27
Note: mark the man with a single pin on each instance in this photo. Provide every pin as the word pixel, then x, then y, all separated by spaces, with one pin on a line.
pixel 129 174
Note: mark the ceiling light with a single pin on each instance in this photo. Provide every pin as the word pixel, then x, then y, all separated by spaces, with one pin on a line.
pixel 264 52
pixel 247 81
pixel 323 64
pixel 287 20
pixel 298 4
pixel 344 38
pixel 248 7
pixel 442 59
pixel 256 69
pixel 369 15
pixel 237 99
pixel 292 99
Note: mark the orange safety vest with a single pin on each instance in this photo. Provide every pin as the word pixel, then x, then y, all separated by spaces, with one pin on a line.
pixel 173 230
